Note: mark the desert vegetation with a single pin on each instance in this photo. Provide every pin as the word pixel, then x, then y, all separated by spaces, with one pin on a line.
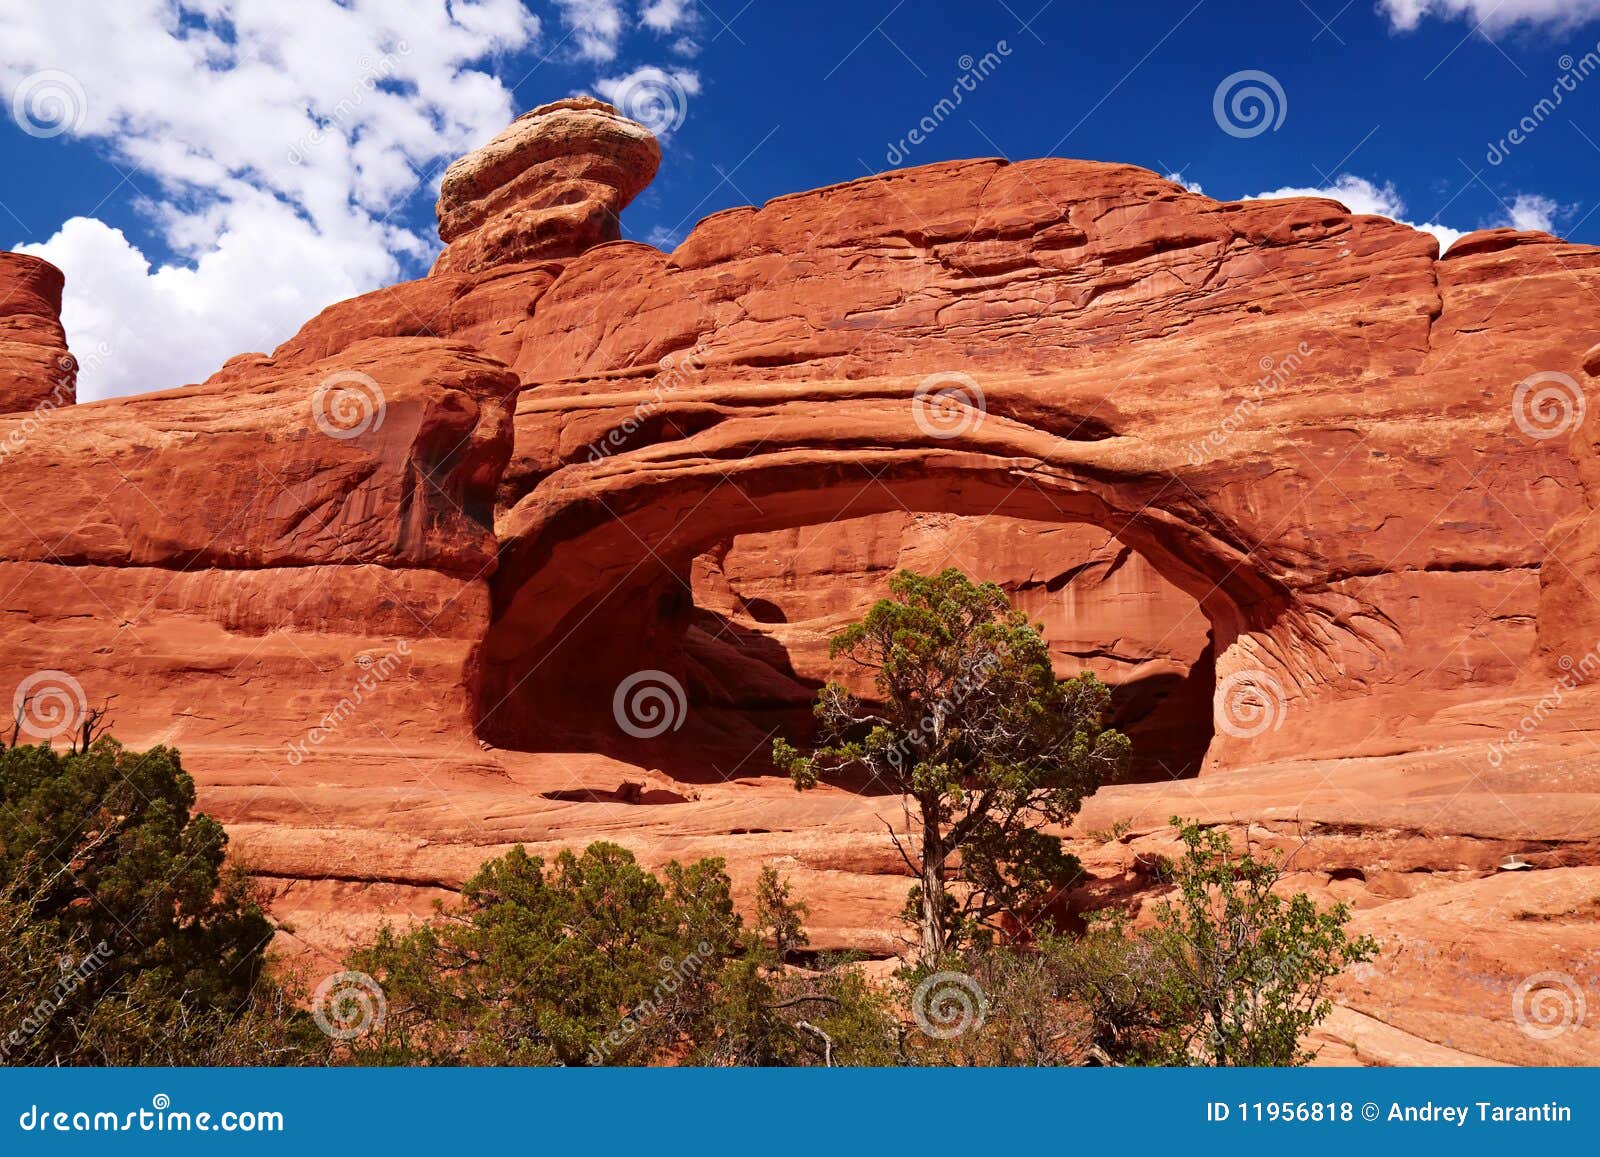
pixel 126 935
pixel 130 937
pixel 985 746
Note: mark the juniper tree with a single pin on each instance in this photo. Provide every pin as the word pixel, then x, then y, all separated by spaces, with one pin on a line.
pixel 986 747
pixel 117 898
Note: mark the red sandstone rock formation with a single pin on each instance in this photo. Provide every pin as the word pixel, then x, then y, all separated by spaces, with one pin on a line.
pixel 1569 611
pixel 551 185
pixel 35 367
pixel 1102 606
pixel 1306 424
pixel 229 560
pixel 1300 417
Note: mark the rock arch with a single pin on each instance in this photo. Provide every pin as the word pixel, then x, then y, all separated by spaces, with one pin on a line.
pixel 1305 417
pixel 594 561
pixel 1308 418
pixel 1289 409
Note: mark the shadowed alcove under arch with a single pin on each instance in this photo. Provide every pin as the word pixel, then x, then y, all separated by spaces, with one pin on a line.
pixel 766 606
pixel 595 588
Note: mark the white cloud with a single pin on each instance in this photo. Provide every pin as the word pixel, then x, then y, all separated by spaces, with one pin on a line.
pixel 667 15
pixel 595 26
pixel 1526 211
pixel 664 238
pixel 1533 211
pixel 270 143
pixel 1178 179
pixel 136 328
pixel 675 19
pixel 1363 196
pixel 1491 15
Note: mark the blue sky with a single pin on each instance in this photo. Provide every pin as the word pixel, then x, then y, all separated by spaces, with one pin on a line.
pixel 212 172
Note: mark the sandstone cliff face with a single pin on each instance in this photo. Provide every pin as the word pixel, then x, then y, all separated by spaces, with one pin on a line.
pixel 1569 610
pixel 1272 468
pixel 35 367
pixel 387 455
pixel 1303 419
pixel 228 561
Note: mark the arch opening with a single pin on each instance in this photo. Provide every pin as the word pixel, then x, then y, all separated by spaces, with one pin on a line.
pixel 766 606
pixel 597 585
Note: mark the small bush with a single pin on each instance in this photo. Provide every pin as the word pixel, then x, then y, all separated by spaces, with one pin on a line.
pixel 595 961
pixel 127 938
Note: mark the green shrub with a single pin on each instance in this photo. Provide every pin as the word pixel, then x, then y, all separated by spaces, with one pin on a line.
pixel 125 930
pixel 595 961
pixel 988 748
